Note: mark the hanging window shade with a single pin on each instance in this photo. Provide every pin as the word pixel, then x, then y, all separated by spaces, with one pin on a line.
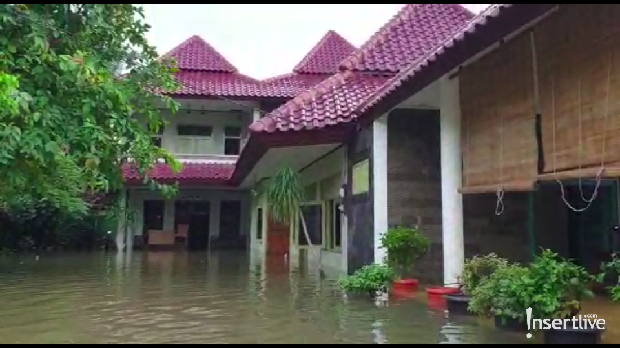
pixel 498 120
pixel 580 90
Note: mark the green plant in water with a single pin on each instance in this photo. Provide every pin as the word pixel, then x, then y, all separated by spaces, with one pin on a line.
pixel 369 279
pixel 479 268
pixel 552 286
pixel 285 194
pixel 404 246
pixel 499 293
pixel 612 269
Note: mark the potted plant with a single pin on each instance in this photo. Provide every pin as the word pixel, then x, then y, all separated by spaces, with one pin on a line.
pixel 475 270
pixel 285 194
pixel 404 246
pixel 370 279
pixel 499 296
pixel 562 285
pixel 552 286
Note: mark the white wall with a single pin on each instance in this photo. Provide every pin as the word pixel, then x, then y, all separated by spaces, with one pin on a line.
pixel 325 176
pixel 216 119
pixel 138 196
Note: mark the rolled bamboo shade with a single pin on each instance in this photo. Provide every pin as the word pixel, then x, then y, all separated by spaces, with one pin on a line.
pixel 579 56
pixel 498 120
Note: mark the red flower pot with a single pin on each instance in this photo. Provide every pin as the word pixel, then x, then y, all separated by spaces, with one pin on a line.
pixel 405 285
pixel 436 296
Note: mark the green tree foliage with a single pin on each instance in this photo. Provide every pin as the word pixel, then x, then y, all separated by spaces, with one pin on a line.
pixel 67 119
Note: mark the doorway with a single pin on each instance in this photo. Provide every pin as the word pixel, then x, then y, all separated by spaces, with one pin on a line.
pixel 591 232
pixel 153 217
pixel 230 225
pixel 192 223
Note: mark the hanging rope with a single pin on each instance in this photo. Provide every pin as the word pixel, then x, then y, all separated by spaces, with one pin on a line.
pixel 601 170
pixel 499 205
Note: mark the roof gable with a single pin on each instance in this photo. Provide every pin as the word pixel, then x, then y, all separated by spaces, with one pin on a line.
pixel 196 54
pixel 326 55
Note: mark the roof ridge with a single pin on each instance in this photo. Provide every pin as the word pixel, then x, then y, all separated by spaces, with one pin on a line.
pixel 381 35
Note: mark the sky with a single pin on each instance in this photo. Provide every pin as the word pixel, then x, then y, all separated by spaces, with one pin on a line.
pixel 265 40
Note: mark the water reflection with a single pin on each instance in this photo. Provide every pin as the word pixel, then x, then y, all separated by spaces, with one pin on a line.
pixel 207 298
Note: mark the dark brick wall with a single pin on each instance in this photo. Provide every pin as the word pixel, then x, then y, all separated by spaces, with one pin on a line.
pixel 506 235
pixel 414 181
pixel 414 197
pixel 359 208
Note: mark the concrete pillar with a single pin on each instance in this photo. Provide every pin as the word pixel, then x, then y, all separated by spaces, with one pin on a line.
pixel 451 180
pixel 129 230
pixel 256 114
pixel 122 222
pixel 379 183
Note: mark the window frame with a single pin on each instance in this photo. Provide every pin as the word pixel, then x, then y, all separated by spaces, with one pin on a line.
pixel 194 139
pixel 239 138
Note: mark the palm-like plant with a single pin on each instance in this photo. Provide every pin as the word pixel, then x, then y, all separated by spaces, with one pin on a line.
pixel 285 194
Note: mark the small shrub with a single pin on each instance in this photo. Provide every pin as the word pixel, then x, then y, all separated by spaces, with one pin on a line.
pixel 404 246
pixel 479 268
pixel 369 279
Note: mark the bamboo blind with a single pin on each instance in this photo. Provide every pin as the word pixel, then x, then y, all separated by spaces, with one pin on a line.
pixel 577 49
pixel 498 120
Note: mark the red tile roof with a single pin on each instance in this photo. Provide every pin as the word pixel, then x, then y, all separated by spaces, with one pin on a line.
pixel 327 103
pixel 416 29
pixel 317 65
pixel 196 54
pixel 203 172
pixel 417 65
pixel 205 72
pixel 326 55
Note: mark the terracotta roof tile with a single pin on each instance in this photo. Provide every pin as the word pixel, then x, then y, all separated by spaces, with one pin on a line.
pixel 326 55
pixel 328 103
pixel 192 171
pixel 415 66
pixel 290 85
pixel 416 29
pixel 205 83
pixel 318 64
pixel 196 54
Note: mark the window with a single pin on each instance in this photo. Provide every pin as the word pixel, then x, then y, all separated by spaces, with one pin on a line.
pixel 156 139
pixel 232 140
pixel 334 225
pixel 313 214
pixel 194 139
pixel 259 223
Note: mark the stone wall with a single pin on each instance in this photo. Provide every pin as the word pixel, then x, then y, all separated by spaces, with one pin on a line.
pixel 414 181
pixel 506 235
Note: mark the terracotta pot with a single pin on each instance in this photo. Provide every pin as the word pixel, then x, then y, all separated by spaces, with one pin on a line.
pixel 436 296
pixel 405 285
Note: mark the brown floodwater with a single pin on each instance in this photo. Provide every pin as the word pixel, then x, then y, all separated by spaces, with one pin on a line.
pixel 209 298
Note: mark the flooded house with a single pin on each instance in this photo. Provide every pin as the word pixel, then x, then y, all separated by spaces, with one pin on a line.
pixel 304 120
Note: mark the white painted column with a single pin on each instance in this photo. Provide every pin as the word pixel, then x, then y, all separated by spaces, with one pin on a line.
pixel 379 187
pixel 451 180
pixel 344 226
pixel 256 114
pixel 122 223
pixel 169 207
pixel 129 231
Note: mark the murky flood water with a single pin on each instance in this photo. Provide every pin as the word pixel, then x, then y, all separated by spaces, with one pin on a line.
pixel 204 298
